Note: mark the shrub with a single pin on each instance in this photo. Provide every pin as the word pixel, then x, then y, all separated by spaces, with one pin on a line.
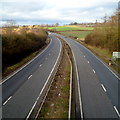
pixel 17 46
pixel 105 36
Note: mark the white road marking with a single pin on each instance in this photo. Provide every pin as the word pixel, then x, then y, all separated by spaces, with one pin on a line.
pixel 80 100
pixel 103 87
pixel 84 56
pixel 101 62
pixel 93 70
pixel 31 110
pixel 45 82
pixel 49 53
pixel 29 76
pixel 40 65
pixel 88 62
pixel 45 58
pixel 7 100
pixel 70 94
pixel 25 64
pixel 117 111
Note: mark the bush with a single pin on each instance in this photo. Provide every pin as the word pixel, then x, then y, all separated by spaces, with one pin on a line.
pixel 17 46
pixel 105 35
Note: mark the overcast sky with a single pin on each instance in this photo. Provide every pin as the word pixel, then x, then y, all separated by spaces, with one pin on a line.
pixel 56 11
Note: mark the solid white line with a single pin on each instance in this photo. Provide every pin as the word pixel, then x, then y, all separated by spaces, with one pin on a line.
pixel 25 64
pixel 29 76
pixel 46 81
pixel 70 95
pixel 31 110
pixel 103 87
pixel 80 100
pixel 117 111
pixel 93 70
pixel 7 100
pixel 43 99
pixel 100 61
pixel 88 62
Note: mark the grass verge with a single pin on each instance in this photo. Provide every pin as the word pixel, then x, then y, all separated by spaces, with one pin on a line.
pixel 104 54
pixel 14 67
pixel 56 104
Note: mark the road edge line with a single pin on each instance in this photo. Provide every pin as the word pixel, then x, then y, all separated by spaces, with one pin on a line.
pixel 101 61
pixel 80 100
pixel 8 77
pixel 81 108
pixel 70 95
pixel 46 81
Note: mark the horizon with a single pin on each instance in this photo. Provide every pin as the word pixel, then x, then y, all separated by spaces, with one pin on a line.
pixel 33 12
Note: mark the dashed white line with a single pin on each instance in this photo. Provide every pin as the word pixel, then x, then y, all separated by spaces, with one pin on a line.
pixel 84 56
pixel 7 100
pixel 102 62
pixel 103 87
pixel 26 64
pixel 88 62
pixel 29 76
pixel 45 82
pixel 93 70
pixel 40 65
pixel 117 111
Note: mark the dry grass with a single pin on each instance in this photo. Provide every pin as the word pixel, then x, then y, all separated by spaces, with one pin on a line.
pixel 57 101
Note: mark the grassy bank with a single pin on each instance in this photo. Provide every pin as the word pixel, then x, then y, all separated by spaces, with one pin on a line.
pixel 102 53
pixel 14 67
pixel 20 48
pixel 57 102
pixel 103 40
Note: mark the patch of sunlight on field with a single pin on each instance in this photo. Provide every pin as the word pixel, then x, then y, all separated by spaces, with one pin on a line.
pixel 68 28
pixel 78 34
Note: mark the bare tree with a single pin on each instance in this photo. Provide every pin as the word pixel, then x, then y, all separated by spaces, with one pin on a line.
pixel 10 23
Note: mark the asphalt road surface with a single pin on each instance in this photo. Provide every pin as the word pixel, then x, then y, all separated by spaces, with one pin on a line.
pixel 21 90
pixel 98 84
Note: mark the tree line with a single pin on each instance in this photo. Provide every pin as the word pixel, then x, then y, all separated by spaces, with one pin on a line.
pixel 17 46
pixel 106 35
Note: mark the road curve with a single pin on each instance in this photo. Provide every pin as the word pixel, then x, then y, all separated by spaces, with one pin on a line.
pixel 21 90
pixel 98 84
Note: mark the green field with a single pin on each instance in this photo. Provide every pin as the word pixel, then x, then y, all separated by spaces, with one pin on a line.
pixel 67 28
pixel 78 34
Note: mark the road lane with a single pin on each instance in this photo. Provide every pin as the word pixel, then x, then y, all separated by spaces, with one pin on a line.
pixel 24 96
pixel 95 101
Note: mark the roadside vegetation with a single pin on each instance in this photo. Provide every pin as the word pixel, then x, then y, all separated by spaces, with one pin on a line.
pixel 73 31
pixel 103 39
pixel 56 104
pixel 18 46
pixel 106 37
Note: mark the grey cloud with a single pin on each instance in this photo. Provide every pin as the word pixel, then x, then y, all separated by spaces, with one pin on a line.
pixel 33 12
